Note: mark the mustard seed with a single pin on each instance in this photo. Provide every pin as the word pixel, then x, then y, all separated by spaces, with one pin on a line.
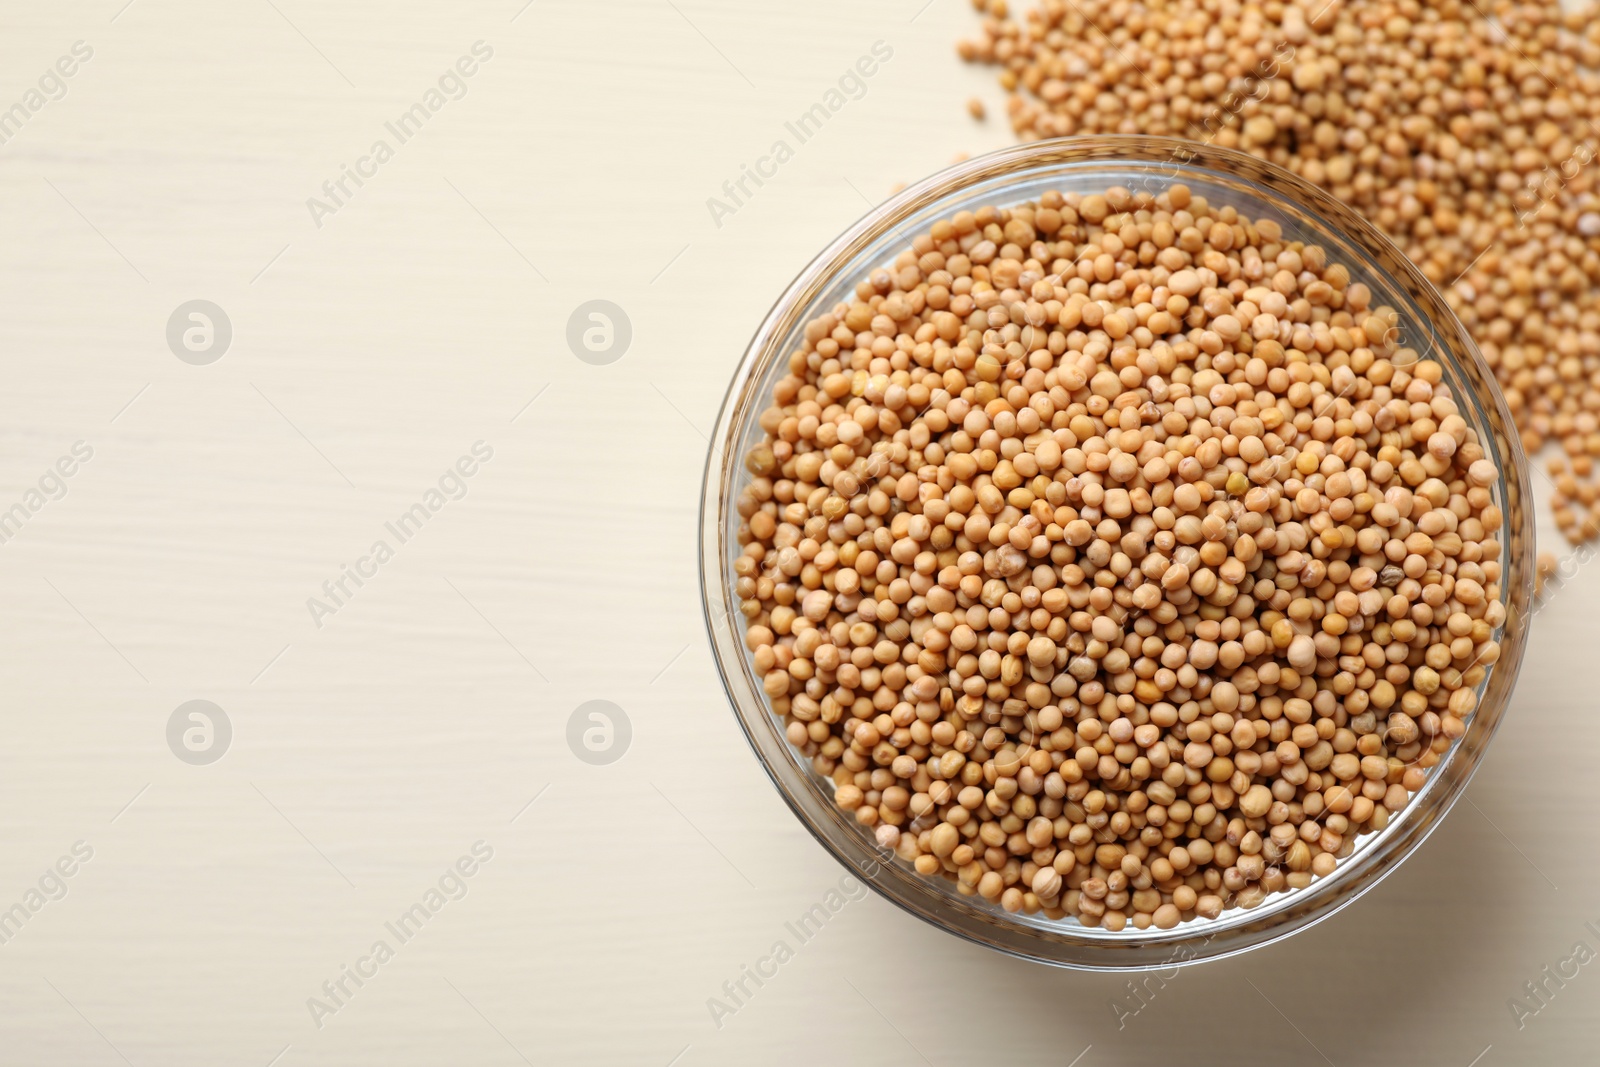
pixel 1465 131
pixel 1110 617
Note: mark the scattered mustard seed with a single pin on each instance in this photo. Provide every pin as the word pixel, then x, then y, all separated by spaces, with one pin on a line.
pixel 1464 130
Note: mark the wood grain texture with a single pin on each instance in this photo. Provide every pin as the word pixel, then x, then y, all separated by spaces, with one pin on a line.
pixel 370 753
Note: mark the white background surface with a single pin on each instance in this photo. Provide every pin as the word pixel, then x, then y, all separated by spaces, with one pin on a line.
pixel 370 753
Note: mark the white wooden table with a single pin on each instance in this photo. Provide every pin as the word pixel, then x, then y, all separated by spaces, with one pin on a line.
pixel 374 340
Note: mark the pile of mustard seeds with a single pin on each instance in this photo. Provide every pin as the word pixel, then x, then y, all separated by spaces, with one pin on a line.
pixel 1113 561
pixel 1467 130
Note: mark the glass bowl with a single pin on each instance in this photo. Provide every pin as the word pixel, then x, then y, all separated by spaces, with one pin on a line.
pixel 1004 178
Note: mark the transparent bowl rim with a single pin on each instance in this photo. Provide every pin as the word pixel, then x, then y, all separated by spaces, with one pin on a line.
pixel 1062 943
